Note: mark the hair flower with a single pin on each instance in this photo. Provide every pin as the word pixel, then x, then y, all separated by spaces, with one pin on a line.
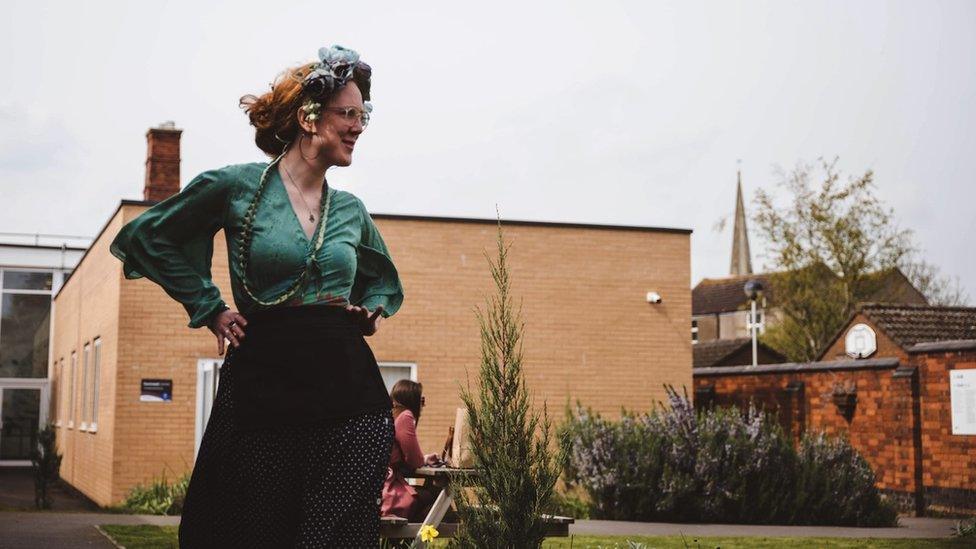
pixel 334 69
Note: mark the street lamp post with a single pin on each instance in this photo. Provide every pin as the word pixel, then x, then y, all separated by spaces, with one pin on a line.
pixel 753 290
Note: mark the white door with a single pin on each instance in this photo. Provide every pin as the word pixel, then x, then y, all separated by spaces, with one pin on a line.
pixel 208 378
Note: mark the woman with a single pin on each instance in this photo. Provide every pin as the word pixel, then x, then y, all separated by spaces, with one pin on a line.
pixel 399 497
pixel 297 443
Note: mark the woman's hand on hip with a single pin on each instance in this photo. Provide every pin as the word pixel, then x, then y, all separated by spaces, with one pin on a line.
pixel 368 322
pixel 228 325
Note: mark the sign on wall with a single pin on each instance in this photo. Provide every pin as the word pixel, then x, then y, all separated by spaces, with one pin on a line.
pixel 962 393
pixel 156 390
pixel 861 341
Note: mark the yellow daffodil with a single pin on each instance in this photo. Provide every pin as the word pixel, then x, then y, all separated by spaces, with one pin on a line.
pixel 427 533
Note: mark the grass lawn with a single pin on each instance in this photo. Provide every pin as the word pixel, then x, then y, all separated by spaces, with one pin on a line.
pixel 145 537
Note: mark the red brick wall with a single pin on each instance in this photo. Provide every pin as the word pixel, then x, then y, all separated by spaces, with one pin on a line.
pixel 883 406
pixel 883 425
pixel 949 461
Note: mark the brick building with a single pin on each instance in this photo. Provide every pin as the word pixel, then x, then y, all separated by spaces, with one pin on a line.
pixel 895 382
pixel 591 333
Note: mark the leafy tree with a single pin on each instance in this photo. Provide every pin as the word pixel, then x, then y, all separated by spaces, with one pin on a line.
pixel 512 445
pixel 825 247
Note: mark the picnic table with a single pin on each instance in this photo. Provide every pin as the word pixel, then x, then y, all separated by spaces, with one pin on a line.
pixel 400 528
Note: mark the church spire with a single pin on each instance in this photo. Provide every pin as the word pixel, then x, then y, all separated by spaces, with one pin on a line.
pixel 741 259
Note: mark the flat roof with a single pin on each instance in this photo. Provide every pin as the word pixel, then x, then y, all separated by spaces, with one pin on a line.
pixel 558 224
pixel 149 203
pixel 42 246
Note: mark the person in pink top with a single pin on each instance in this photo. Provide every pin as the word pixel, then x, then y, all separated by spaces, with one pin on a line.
pixel 399 497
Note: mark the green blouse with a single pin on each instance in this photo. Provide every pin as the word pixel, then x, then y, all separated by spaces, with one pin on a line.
pixel 171 244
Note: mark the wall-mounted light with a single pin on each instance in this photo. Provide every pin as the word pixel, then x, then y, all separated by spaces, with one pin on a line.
pixel 653 297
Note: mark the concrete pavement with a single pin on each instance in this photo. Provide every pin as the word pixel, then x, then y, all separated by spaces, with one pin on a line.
pixel 910 527
pixel 77 530
pixel 43 529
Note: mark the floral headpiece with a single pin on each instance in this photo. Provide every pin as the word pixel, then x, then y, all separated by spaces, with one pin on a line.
pixel 335 68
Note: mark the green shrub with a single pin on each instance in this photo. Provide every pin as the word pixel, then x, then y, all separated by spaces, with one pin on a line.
pixel 159 497
pixel 965 529
pixel 570 505
pixel 835 485
pixel 722 465
pixel 45 464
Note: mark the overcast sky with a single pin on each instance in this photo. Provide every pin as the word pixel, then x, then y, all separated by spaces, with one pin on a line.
pixel 629 113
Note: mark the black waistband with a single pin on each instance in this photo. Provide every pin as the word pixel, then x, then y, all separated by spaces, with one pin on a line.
pixel 320 319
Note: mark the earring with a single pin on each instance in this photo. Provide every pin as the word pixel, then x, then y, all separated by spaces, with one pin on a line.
pixel 301 151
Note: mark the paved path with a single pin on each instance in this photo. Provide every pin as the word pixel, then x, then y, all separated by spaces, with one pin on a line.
pixel 77 530
pixel 909 527
pixel 43 529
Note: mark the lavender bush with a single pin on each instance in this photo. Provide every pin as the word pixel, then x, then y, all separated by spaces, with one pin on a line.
pixel 721 465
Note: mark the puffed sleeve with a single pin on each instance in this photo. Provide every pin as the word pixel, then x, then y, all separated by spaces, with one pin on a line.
pixel 377 281
pixel 171 244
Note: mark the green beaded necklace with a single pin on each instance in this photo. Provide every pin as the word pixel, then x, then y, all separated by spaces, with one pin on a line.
pixel 244 249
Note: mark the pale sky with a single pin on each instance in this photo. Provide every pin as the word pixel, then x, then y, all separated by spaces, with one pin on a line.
pixel 630 113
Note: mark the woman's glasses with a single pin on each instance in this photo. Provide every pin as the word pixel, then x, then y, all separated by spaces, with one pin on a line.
pixel 351 114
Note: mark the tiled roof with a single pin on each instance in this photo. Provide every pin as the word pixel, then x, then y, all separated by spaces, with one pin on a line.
pixel 911 324
pixel 718 351
pixel 722 295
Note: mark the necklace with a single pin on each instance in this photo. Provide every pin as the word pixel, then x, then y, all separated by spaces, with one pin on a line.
pixel 247 231
pixel 311 216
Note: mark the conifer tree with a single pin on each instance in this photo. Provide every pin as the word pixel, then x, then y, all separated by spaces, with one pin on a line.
pixel 513 447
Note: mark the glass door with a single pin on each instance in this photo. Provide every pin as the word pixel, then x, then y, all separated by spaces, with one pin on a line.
pixel 20 417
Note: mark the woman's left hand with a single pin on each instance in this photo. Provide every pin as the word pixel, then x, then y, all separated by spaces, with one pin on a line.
pixel 368 322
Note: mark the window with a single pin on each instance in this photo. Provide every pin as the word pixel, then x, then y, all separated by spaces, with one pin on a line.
pixel 208 380
pixel 63 390
pixel 25 315
pixel 96 360
pixel 694 331
pixel 85 365
pixel 56 390
pixel 395 371
pixel 71 389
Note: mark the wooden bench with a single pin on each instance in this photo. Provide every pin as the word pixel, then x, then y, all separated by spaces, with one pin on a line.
pixel 400 528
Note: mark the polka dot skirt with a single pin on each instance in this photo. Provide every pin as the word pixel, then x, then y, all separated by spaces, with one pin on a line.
pixel 290 486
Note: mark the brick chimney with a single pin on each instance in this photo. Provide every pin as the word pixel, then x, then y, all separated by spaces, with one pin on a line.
pixel 162 162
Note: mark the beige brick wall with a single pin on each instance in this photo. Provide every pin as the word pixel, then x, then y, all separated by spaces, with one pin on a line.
pixel 87 308
pixel 590 334
pixel 157 438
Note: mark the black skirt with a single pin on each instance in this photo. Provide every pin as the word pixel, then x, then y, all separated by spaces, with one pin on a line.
pixel 298 440
pixel 302 366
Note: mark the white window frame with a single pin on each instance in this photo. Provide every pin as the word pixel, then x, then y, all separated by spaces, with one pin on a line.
pixel 57 392
pixel 202 417
pixel 411 365
pixel 694 331
pixel 71 390
pixel 85 372
pixel 49 293
pixel 96 367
